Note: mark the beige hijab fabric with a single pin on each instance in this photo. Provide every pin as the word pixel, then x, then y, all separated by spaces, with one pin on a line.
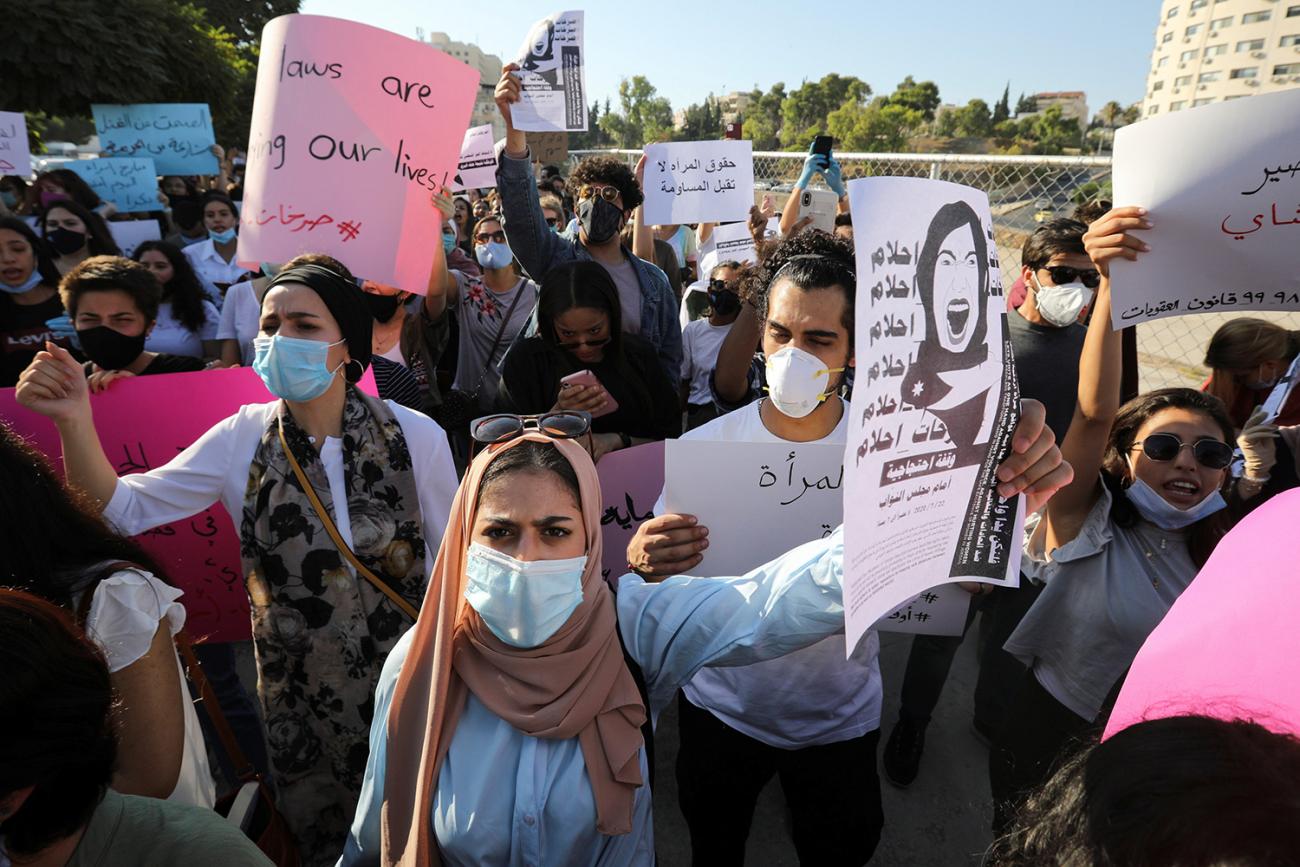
pixel 577 684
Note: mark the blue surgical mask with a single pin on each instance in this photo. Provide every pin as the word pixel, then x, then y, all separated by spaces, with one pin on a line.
pixel 523 602
pixel 494 255
pixel 293 368
pixel 28 285
pixel 1166 515
pixel 448 242
pixel 222 237
pixel 9 197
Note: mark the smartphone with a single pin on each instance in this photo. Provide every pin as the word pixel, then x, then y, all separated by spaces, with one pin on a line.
pixel 586 377
pixel 820 205
pixel 822 146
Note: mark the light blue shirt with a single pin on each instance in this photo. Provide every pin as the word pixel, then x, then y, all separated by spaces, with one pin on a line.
pixel 548 816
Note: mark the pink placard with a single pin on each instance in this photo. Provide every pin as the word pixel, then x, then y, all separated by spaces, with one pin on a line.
pixel 143 423
pixel 1228 647
pixel 352 128
pixel 630 482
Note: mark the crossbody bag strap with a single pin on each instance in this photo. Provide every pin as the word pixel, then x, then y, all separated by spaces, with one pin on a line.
pixel 333 532
pixel 500 333
pixel 244 769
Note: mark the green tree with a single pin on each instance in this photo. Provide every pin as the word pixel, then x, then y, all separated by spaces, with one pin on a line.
pixel 703 121
pixel 644 117
pixel 244 19
pixel 805 112
pixel 973 119
pixel 922 97
pixel 1026 105
pixel 761 121
pixel 880 127
pixel 591 138
pixel 1002 110
pixel 1110 114
pixel 1052 133
pixel 1131 114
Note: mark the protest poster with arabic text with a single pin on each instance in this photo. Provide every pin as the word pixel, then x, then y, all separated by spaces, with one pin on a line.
pixel 177 136
pixel 130 183
pixel 1221 185
pixel 552 76
pixel 760 500
pixel 935 400
pixel 630 480
pixel 698 182
pixel 15 151
pixel 477 168
pixel 353 128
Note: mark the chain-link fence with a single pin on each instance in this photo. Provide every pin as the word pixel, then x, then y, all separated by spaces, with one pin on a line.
pixel 1023 191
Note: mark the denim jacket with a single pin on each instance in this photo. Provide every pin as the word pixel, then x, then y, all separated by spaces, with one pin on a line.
pixel 539 249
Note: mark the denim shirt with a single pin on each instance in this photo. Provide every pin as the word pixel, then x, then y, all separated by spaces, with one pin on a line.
pixel 539 249
pixel 504 797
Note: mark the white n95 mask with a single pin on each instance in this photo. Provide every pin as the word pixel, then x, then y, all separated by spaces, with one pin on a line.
pixel 523 602
pixel 797 381
pixel 1061 305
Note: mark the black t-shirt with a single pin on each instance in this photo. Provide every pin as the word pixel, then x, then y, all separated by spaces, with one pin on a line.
pixel 23 334
pixel 647 401
pixel 165 363
pixel 1047 365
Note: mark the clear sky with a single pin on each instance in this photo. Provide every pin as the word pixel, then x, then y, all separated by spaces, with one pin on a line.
pixel 687 49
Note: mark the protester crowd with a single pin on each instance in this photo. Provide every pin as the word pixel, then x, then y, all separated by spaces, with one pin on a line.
pixel 443 673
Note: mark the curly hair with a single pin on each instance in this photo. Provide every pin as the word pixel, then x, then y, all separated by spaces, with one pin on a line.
pixel 611 171
pixel 811 260
pixel 1178 791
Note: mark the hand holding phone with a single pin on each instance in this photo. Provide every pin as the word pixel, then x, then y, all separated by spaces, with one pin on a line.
pixel 583 391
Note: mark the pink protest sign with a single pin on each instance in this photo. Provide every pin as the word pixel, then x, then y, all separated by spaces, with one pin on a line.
pixel 143 423
pixel 630 482
pixel 352 128
pixel 1228 647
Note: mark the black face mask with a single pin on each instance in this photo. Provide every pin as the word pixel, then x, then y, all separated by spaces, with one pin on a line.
pixel 382 307
pixel 724 303
pixel 65 241
pixel 600 220
pixel 111 350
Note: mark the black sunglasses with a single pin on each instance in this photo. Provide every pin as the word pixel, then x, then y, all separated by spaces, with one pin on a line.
pixel 562 425
pixel 578 344
pixel 1165 447
pixel 716 285
pixel 1062 274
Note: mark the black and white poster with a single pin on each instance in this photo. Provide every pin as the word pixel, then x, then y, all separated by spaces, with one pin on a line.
pixel 553 84
pixel 935 399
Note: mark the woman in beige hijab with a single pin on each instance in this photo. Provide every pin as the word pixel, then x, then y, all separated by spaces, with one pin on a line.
pixel 507 723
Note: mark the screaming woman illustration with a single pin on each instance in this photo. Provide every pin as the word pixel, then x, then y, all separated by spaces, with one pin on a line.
pixel 953 376
pixel 541 59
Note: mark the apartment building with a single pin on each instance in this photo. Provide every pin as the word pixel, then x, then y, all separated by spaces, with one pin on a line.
pixel 1213 50
pixel 489 70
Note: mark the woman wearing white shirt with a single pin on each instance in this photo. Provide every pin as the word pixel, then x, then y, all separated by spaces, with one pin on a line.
pixel 214 259
pixel 59 551
pixel 381 472
pixel 187 322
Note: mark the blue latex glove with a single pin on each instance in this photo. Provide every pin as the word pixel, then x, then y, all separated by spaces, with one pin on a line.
pixel 62 328
pixel 833 178
pixel 812 165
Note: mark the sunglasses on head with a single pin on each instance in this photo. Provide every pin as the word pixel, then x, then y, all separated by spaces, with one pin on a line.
pixel 563 425
pixel 609 194
pixel 1062 274
pixel 499 236
pixel 1165 447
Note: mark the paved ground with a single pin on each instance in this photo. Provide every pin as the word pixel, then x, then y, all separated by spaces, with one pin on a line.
pixel 941 820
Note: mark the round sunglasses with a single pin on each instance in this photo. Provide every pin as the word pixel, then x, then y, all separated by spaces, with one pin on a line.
pixel 1165 447
pixel 565 424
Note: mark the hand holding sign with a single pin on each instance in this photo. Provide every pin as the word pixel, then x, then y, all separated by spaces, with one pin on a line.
pixel 352 128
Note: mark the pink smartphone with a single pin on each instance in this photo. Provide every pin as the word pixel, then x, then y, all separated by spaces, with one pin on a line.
pixel 586 377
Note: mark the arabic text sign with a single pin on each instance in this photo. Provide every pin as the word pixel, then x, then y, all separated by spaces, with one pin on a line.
pixel 630 480
pixel 352 129
pixel 1227 647
pixel 177 136
pixel 130 183
pixel 734 243
pixel 15 154
pixel 477 168
pixel 138 424
pixel 935 400
pixel 698 182
pixel 1225 213
pixel 552 76
pixel 937 611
